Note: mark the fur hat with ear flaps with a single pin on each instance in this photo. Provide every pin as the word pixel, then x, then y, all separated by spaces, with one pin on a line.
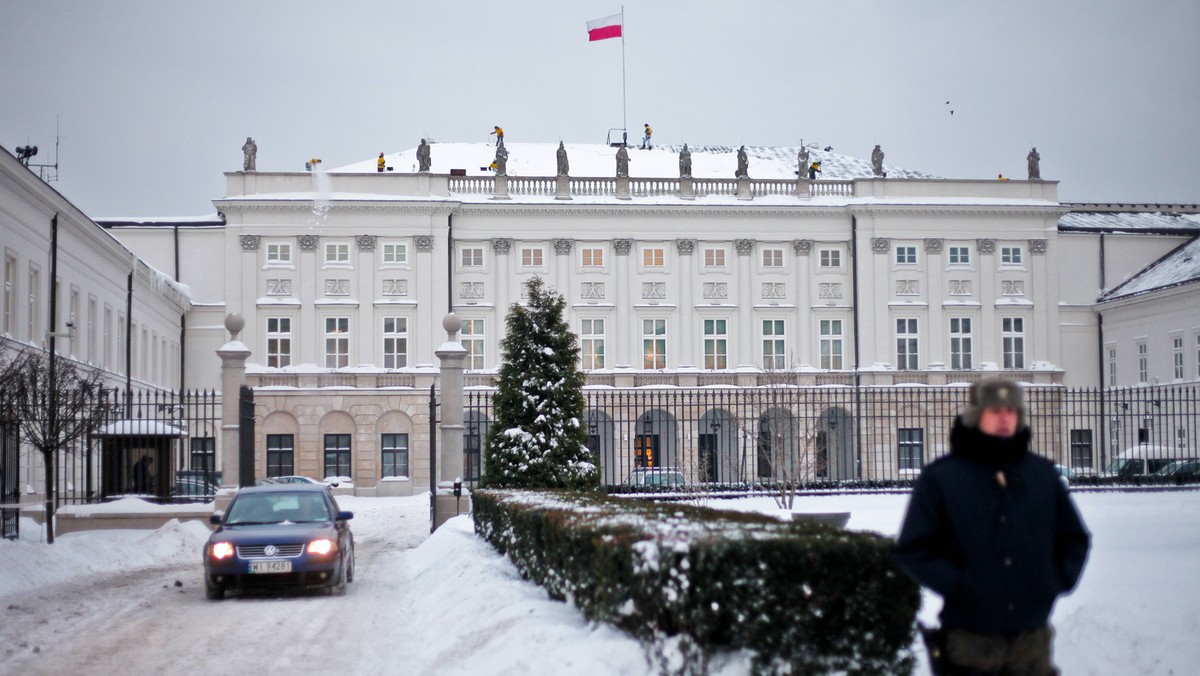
pixel 994 393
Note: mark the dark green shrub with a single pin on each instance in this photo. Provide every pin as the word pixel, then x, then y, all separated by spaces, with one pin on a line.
pixel 801 596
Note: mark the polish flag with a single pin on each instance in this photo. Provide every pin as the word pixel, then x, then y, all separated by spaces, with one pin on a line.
pixel 603 29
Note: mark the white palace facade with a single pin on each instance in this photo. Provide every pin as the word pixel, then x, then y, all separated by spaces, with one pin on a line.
pixel 344 277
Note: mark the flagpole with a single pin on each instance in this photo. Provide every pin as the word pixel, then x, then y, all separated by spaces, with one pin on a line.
pixel 624 109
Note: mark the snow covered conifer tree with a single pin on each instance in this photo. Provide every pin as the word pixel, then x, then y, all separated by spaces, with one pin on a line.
pixel 538 439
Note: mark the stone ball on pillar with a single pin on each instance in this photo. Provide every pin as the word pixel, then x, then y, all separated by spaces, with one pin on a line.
pixel 452 324
pixel 234 323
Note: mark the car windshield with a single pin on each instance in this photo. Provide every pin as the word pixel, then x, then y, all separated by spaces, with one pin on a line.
pixel 259 508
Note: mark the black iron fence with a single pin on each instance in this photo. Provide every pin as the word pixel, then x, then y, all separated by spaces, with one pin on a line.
pixel 155 444
pixel 844 435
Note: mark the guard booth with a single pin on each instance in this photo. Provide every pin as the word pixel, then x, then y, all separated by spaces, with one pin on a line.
pixel 138 458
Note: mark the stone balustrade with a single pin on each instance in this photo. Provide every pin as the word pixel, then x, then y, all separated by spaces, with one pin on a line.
pixel 584 186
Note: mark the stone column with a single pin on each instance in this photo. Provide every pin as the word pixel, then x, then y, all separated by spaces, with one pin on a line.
pixel 623 310
pixel 233 375
pixel 453 357
pixel 687 315
pixel 745 306
pixel 802 188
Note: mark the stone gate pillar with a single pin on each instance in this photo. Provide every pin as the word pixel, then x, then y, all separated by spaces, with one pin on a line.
pixel 233 375
pixel 453 357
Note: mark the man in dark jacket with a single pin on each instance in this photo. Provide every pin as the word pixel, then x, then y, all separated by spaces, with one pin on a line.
pixel 990 528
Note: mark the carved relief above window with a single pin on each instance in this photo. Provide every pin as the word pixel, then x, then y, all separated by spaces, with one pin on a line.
pixel 881 245
pixel 716 290
pixel 249 242
pixel 622 246
pixel 307 242
pixel 934 246
pixel 985 246
pixel 830 290
pixel 472 290
pixel 366 242
pixel 562 247
pixel 1037 246
pixel 337 287
pixel 960 287
pixel 592 291
pixel 1012 287
pixel 802 247
pixel 424 242
pixel 654 290
pixel 502 245
pixel 685 247
pixel 279 287
pixel 395 287
pixel 774 290
pixel 907 287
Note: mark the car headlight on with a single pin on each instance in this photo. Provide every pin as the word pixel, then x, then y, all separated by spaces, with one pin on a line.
pixel 321 547
pixel 221 550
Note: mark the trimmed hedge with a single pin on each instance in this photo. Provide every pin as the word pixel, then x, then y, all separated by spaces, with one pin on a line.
pixel 800 596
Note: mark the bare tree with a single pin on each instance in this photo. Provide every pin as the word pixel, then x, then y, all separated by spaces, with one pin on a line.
pixel 53 403
pixel 783 438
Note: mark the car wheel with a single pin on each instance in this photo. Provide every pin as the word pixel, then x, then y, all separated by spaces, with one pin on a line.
pixel 338 587
pixel 213 593
pixel 350 567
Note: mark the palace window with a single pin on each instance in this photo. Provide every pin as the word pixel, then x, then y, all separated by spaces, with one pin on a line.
pixel 911 442
pixel 960 255
pixel 394 449
pixel 907 344
pixel 654 343
pixel 279 341
pixel 473 340
pixel 337 342
pixel 591 343
pixel 280 455
pixel 774 344
pixel 906 255
pixel 960 343
pixel 395 342
pixel 831 344
pixel 716 344
pixel 337 455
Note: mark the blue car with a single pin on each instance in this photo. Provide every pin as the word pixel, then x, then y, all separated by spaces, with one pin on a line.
pixel 280 535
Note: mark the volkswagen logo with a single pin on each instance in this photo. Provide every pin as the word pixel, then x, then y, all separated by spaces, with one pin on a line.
pixel 270 550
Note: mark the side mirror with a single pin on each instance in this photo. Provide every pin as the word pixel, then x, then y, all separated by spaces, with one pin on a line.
pixel 345 516
pixel 215 518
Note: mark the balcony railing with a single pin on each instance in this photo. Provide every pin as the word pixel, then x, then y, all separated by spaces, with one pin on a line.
pixel 546 186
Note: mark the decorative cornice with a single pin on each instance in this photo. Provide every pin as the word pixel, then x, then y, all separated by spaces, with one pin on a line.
pixel 562 247
pixel 685 247
pixel 424 243
pixel 745 247
pixel 985 246
pixel 228 206
pixel 249 242
pixel 366 242
pixel 802 247
pixel 881 245
pixel 934 245
pixel 625 211
pixel 622 246
pixel 1038 246
pixel 502 245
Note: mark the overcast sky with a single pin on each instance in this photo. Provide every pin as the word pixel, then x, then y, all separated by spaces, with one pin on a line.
pixel 153 99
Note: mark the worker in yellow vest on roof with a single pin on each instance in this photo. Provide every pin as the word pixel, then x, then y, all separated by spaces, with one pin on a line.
pixel 380 163
pixel 646 139
pixel 499 134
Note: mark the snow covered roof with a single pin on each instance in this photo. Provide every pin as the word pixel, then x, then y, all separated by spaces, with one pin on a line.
pixel 1181 266
pixel 140 428
pixel 595 159
pixel 1163 219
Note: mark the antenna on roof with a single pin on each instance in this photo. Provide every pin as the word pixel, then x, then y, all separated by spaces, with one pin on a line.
pixel 46 172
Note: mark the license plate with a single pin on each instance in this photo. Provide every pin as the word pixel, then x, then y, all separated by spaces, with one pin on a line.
pixel 270 566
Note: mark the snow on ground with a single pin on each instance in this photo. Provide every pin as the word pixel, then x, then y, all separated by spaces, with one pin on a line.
pixel 458 607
